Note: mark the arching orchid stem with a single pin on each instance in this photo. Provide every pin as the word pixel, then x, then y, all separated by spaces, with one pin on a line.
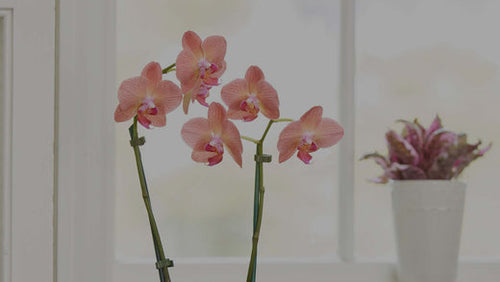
pixel 162 263
pixel 271 121
pixel 169 69
pixel 250 139
pixel 258 197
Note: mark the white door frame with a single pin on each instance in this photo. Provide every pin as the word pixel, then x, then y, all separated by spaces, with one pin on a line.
pixel 85 134
pixel 28 140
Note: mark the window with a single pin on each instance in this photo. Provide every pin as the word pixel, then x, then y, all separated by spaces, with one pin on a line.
pixel 85 199
pixel 299 55
pixel 438 59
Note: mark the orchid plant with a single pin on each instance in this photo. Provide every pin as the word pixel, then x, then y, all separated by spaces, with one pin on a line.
pixel 148 98
pixel 425 153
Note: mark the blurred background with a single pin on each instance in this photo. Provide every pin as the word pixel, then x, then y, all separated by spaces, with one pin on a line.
pixel 415 59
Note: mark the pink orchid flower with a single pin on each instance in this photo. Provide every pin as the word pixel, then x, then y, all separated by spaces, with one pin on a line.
pixel 208 137
pixel 199 66
pixel 147 96
pixel 307 135
pixel 246 97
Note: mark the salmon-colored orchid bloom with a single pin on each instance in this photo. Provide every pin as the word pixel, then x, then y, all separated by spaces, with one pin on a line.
pixel 208 137
pixel 147 96
pixel 251 95
pixel 199 66
pixel 307 135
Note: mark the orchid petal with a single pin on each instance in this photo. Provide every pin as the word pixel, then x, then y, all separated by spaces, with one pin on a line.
pixel 232 139
pixel 167 96
pixel 124 115
pixel 240 115
pixel 131 92
pixel 234 93
pixel 253 75
pixel 221 69
pixel 216 117
pixel 268 98
pixel 214 48
pixel 191 41
pixel 158 120
pixel 196 131
pixel 328 133
pixel 153 73
pixel 202 156
pixel 312 118
pixel 187 70
pixel 304 156
pixel 288 140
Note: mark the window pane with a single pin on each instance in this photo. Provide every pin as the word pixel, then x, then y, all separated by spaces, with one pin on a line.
pixel 416 59
pixel 206 211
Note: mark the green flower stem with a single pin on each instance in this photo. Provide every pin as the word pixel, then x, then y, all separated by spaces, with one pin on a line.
pixel 169 69
pixel 160 256
pixel 250 139
pixel 258 198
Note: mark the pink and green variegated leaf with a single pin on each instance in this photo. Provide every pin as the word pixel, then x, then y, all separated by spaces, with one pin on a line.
pixel 422 128
pixel 389 171
pixel 378 158
pixel 435 125
pixel 411 172
pixel 379 180
pixel 484 150
pixel 442 154
pixel 413 134
pixel 401 150
pixel 437 143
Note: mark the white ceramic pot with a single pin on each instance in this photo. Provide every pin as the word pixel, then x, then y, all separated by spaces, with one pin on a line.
pixel 428 223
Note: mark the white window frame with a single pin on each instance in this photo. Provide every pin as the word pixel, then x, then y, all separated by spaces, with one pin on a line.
pixel 85 162
pixel 27 186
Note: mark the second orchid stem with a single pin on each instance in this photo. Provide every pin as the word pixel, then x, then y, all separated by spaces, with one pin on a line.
pixel 260 158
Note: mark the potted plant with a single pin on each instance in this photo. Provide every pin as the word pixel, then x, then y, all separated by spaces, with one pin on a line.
pixel 428 202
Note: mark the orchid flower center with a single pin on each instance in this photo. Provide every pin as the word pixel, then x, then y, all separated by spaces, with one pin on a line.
pixel 251 106
pixel 215 145
pixel 148 107
pixel 207 81
pixel 207 68
pixel 306 146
